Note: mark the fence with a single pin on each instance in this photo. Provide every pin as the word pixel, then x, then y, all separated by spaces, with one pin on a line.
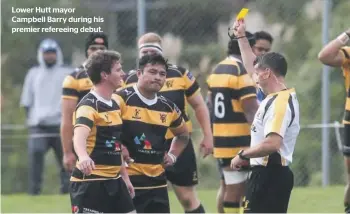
pixel 307 163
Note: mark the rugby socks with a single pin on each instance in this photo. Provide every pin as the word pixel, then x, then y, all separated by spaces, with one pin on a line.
pixel 232 207
pixel 199 209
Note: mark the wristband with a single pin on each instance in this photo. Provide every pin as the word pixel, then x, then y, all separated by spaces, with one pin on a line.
pixel 240 37
pixel 173 157
pixel 343 38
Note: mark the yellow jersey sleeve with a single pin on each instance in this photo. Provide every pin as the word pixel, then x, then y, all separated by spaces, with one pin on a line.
pixel 176 119
pixel 191 85
pixel 70 88
pixel 85 116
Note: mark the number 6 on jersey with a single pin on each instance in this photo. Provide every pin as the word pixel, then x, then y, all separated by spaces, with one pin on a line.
pixel 219 106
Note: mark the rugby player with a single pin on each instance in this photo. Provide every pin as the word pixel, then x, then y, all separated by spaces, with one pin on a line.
pixel 181 88
pixel 147 116
pixel 75 87
pixel 232 98
pixel 337 54
pixel 99 182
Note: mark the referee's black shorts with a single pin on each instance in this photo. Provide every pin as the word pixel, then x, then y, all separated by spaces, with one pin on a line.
pixel 346 148
pixel 268 189
pixel 107 196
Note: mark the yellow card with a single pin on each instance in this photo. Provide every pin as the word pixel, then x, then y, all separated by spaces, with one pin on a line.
pixel 242 13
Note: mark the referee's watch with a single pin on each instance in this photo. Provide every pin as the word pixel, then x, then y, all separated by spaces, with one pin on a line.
pixel 241 156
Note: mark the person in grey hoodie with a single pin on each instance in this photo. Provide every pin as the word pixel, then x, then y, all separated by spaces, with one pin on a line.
pixel 41 98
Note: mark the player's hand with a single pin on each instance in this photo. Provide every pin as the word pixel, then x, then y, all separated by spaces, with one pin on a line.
pixel 237 163
pixel 86 165
pixel 239 28
pixel 126 155
pixel 206 146
pixel 69 161
pixel 168 160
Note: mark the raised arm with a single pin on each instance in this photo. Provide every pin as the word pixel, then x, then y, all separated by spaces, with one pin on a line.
pixel 332 54
pixel 247 54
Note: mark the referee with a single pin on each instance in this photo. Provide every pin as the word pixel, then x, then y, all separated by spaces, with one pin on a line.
pixel 273 136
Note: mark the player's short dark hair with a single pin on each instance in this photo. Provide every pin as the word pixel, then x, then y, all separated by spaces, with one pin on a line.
pixel 233 47
pixel 274 61
pixel 263 35
pixel 101 61
pixel 152 59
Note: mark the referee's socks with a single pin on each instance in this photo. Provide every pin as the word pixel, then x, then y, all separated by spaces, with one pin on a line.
pixel 232 207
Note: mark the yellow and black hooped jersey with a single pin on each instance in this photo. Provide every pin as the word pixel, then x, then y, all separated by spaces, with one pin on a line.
pixel 145 123
pixel 228 85
pixel 179 86
pixel 346 72
pixel 103 119
pixel 76 85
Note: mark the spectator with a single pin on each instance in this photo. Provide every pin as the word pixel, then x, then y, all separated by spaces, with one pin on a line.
pixel 41 97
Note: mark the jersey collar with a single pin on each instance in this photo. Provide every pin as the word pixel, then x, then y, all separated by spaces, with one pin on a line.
pixel 290 90
pixel 148 102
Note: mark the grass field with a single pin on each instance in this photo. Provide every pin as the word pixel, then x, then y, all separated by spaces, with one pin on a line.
pixel 303 200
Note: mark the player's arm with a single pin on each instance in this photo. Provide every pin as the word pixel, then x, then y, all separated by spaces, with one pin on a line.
pixel 248 57
pixel 179 128
pixel 247 96
pixel 84 121
pixel 333 54
pixel 68 105
pixel 125 176
pixel 197 102
pixel 209 95
pixel 202 113
pixel 209 103
pixel 250 106
pixel 276 121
